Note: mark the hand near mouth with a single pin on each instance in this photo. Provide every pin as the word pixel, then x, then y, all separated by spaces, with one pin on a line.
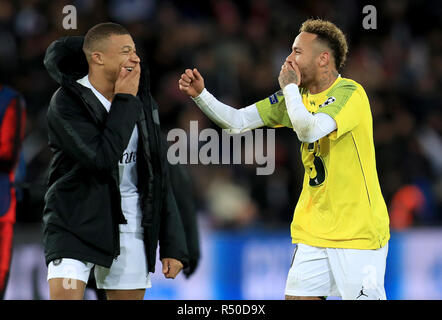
pixel 128 80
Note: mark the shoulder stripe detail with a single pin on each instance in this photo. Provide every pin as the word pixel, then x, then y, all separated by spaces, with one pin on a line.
pixel 342 93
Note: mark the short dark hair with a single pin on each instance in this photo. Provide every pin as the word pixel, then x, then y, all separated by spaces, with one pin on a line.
pixel 329 34
pixel 100 32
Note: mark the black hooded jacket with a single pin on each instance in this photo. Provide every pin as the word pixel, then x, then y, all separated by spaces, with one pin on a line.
pixel 83 204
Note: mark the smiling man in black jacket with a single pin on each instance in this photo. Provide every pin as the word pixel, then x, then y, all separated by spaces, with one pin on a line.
pixel 109 199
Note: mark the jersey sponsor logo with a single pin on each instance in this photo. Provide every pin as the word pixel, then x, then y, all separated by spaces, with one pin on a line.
pixel 273 98
pixel 328 101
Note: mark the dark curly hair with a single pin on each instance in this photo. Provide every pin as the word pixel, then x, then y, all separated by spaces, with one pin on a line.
pixel 330 35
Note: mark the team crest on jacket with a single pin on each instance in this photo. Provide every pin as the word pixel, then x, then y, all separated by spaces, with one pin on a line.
pixel 328 101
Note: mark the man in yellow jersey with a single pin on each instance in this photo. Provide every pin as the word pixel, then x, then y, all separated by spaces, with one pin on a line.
pixel 340 224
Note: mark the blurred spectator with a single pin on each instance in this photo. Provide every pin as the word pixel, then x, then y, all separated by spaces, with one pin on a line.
pixel 229 203
pixel 12 125
pixel 406 204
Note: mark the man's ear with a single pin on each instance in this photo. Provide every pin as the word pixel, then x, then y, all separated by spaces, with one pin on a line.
pixel 97 57
pixel 324 58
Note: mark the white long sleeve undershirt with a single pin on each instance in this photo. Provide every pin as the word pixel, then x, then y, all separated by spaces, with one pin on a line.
pixel 308 127
pixel 226 117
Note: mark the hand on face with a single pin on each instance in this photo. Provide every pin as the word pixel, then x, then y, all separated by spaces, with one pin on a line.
pixel 289 73
pixel 128 81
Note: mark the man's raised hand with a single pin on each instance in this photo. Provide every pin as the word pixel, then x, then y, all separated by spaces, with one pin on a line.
pixel 128 81
pixel 191 82
pixel 290 73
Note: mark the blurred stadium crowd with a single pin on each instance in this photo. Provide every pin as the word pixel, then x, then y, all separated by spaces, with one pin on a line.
pixel 239 47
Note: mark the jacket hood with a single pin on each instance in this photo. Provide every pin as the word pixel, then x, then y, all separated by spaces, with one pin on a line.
pixel 65 60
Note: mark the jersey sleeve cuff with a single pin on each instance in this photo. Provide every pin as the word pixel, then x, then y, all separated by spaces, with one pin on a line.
pixel 203 96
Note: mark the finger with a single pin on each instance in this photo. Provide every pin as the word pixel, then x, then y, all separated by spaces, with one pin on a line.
pixel 295 66
pixel 288 64
pixel 189 73
pixel 136 71
pixel 174 268
pixel 177 266
pixel 123 73
pixel 184 84
pixel 131 74
pixel 186 78
pixel 197 74
pixel 166 266
pixel 128 75
pixel 291 65
pixel 184 89
pixel 172 273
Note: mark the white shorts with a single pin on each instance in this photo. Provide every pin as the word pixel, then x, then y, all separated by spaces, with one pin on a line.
pixel 348 273
pixel 128 271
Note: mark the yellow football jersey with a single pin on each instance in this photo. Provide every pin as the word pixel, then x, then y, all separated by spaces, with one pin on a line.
pixel 341 204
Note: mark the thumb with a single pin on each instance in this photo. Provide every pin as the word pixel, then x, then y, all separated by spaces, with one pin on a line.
pixel 197 74
pixel 165 266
